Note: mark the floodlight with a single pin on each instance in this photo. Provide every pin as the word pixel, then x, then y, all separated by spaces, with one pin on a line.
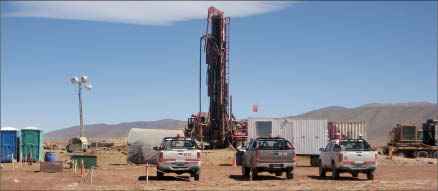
pixel 74 79
pixel 84 79
pixel 88 87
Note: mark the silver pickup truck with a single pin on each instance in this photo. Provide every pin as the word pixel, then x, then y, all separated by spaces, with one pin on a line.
pixel 269 154
pixel 350 155
pixel 178 155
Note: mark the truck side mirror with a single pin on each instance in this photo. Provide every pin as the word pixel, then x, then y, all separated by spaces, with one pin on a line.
pixel 155 148
pixel 321 149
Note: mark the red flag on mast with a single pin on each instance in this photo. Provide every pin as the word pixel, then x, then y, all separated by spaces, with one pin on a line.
pixel 254 108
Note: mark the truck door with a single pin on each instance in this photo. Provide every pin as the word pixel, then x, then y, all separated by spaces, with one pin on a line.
pixel 326 155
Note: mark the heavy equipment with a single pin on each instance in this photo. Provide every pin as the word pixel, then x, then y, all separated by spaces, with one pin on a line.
pixel 408 140
pixel 218 128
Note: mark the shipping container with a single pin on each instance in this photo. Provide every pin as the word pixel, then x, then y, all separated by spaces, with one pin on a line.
pixel 32 142
pixel 9 140
pixel 306 135
pixel 349 130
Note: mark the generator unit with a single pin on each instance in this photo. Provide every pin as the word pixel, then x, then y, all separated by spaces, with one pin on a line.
pixel 404 134
pixel 430 132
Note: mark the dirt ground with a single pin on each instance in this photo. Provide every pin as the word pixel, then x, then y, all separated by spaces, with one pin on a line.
pixel 218 173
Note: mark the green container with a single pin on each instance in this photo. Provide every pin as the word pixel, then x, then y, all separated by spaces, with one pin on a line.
pixel 31 141
pixel 89 160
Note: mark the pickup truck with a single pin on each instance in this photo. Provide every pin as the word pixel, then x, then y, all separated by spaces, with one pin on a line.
pixel 347 155
pixel 268 154
pixel 178 155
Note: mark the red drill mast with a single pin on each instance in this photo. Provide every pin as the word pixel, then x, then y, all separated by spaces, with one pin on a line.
pixel 218 129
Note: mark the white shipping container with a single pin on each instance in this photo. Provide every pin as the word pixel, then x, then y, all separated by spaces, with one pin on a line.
pixel 351 130
pixel 307 135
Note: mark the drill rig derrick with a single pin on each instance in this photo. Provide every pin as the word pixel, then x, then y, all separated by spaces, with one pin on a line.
pixel 220 130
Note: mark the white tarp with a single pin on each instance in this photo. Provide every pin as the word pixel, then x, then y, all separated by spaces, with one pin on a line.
pixel 142 141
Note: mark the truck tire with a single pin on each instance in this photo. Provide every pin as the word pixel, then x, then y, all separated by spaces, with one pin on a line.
pixel 422 154
pixel 289 174
pixel 335 172
pixel 197 174
pixel 322 171
pixel 245 171
pixel 159 175
pixel 435 154
pixel 254 173
pixel 370 175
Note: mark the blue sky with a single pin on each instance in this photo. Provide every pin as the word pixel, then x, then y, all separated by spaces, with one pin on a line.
pixel 142 59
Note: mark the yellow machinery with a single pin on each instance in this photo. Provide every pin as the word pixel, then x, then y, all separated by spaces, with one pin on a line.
pixel 405 134
pixel 407 140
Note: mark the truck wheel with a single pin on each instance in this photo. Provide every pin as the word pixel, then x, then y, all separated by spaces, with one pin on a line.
pixel 435 154
pixel 370 175
pixel 289 174
pixel 245 171
pixel 160 175
pixel 335 172
pixel 321 170
pixel 279 173
pixel 354 174
pixel 254 173
pixel 197 174
pixel 422 154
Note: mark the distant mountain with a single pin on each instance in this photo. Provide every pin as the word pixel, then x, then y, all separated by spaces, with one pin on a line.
pixel 103 131
pixel 380 118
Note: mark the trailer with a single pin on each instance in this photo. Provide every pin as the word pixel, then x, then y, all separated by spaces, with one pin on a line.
pixel 407 140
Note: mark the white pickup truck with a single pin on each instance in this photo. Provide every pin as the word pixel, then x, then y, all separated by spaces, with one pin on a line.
pixel 350 155
pixel 178 155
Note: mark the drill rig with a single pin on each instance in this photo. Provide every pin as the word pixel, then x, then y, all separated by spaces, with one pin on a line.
pixel 218 128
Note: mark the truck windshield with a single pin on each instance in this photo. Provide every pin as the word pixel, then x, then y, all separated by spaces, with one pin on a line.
pixel 354 145
pixel 273 144
pixel 178 144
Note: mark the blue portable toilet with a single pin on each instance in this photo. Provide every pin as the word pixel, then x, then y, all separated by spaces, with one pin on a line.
pixel 9 146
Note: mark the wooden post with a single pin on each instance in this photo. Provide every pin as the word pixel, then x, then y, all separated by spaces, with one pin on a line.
pixel 21 159
pixel 12 158
pixel 147 173
pixel 91 181
pixel 30 158
pixel 82 168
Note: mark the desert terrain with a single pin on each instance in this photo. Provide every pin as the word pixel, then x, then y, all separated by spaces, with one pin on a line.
pixel 218 173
